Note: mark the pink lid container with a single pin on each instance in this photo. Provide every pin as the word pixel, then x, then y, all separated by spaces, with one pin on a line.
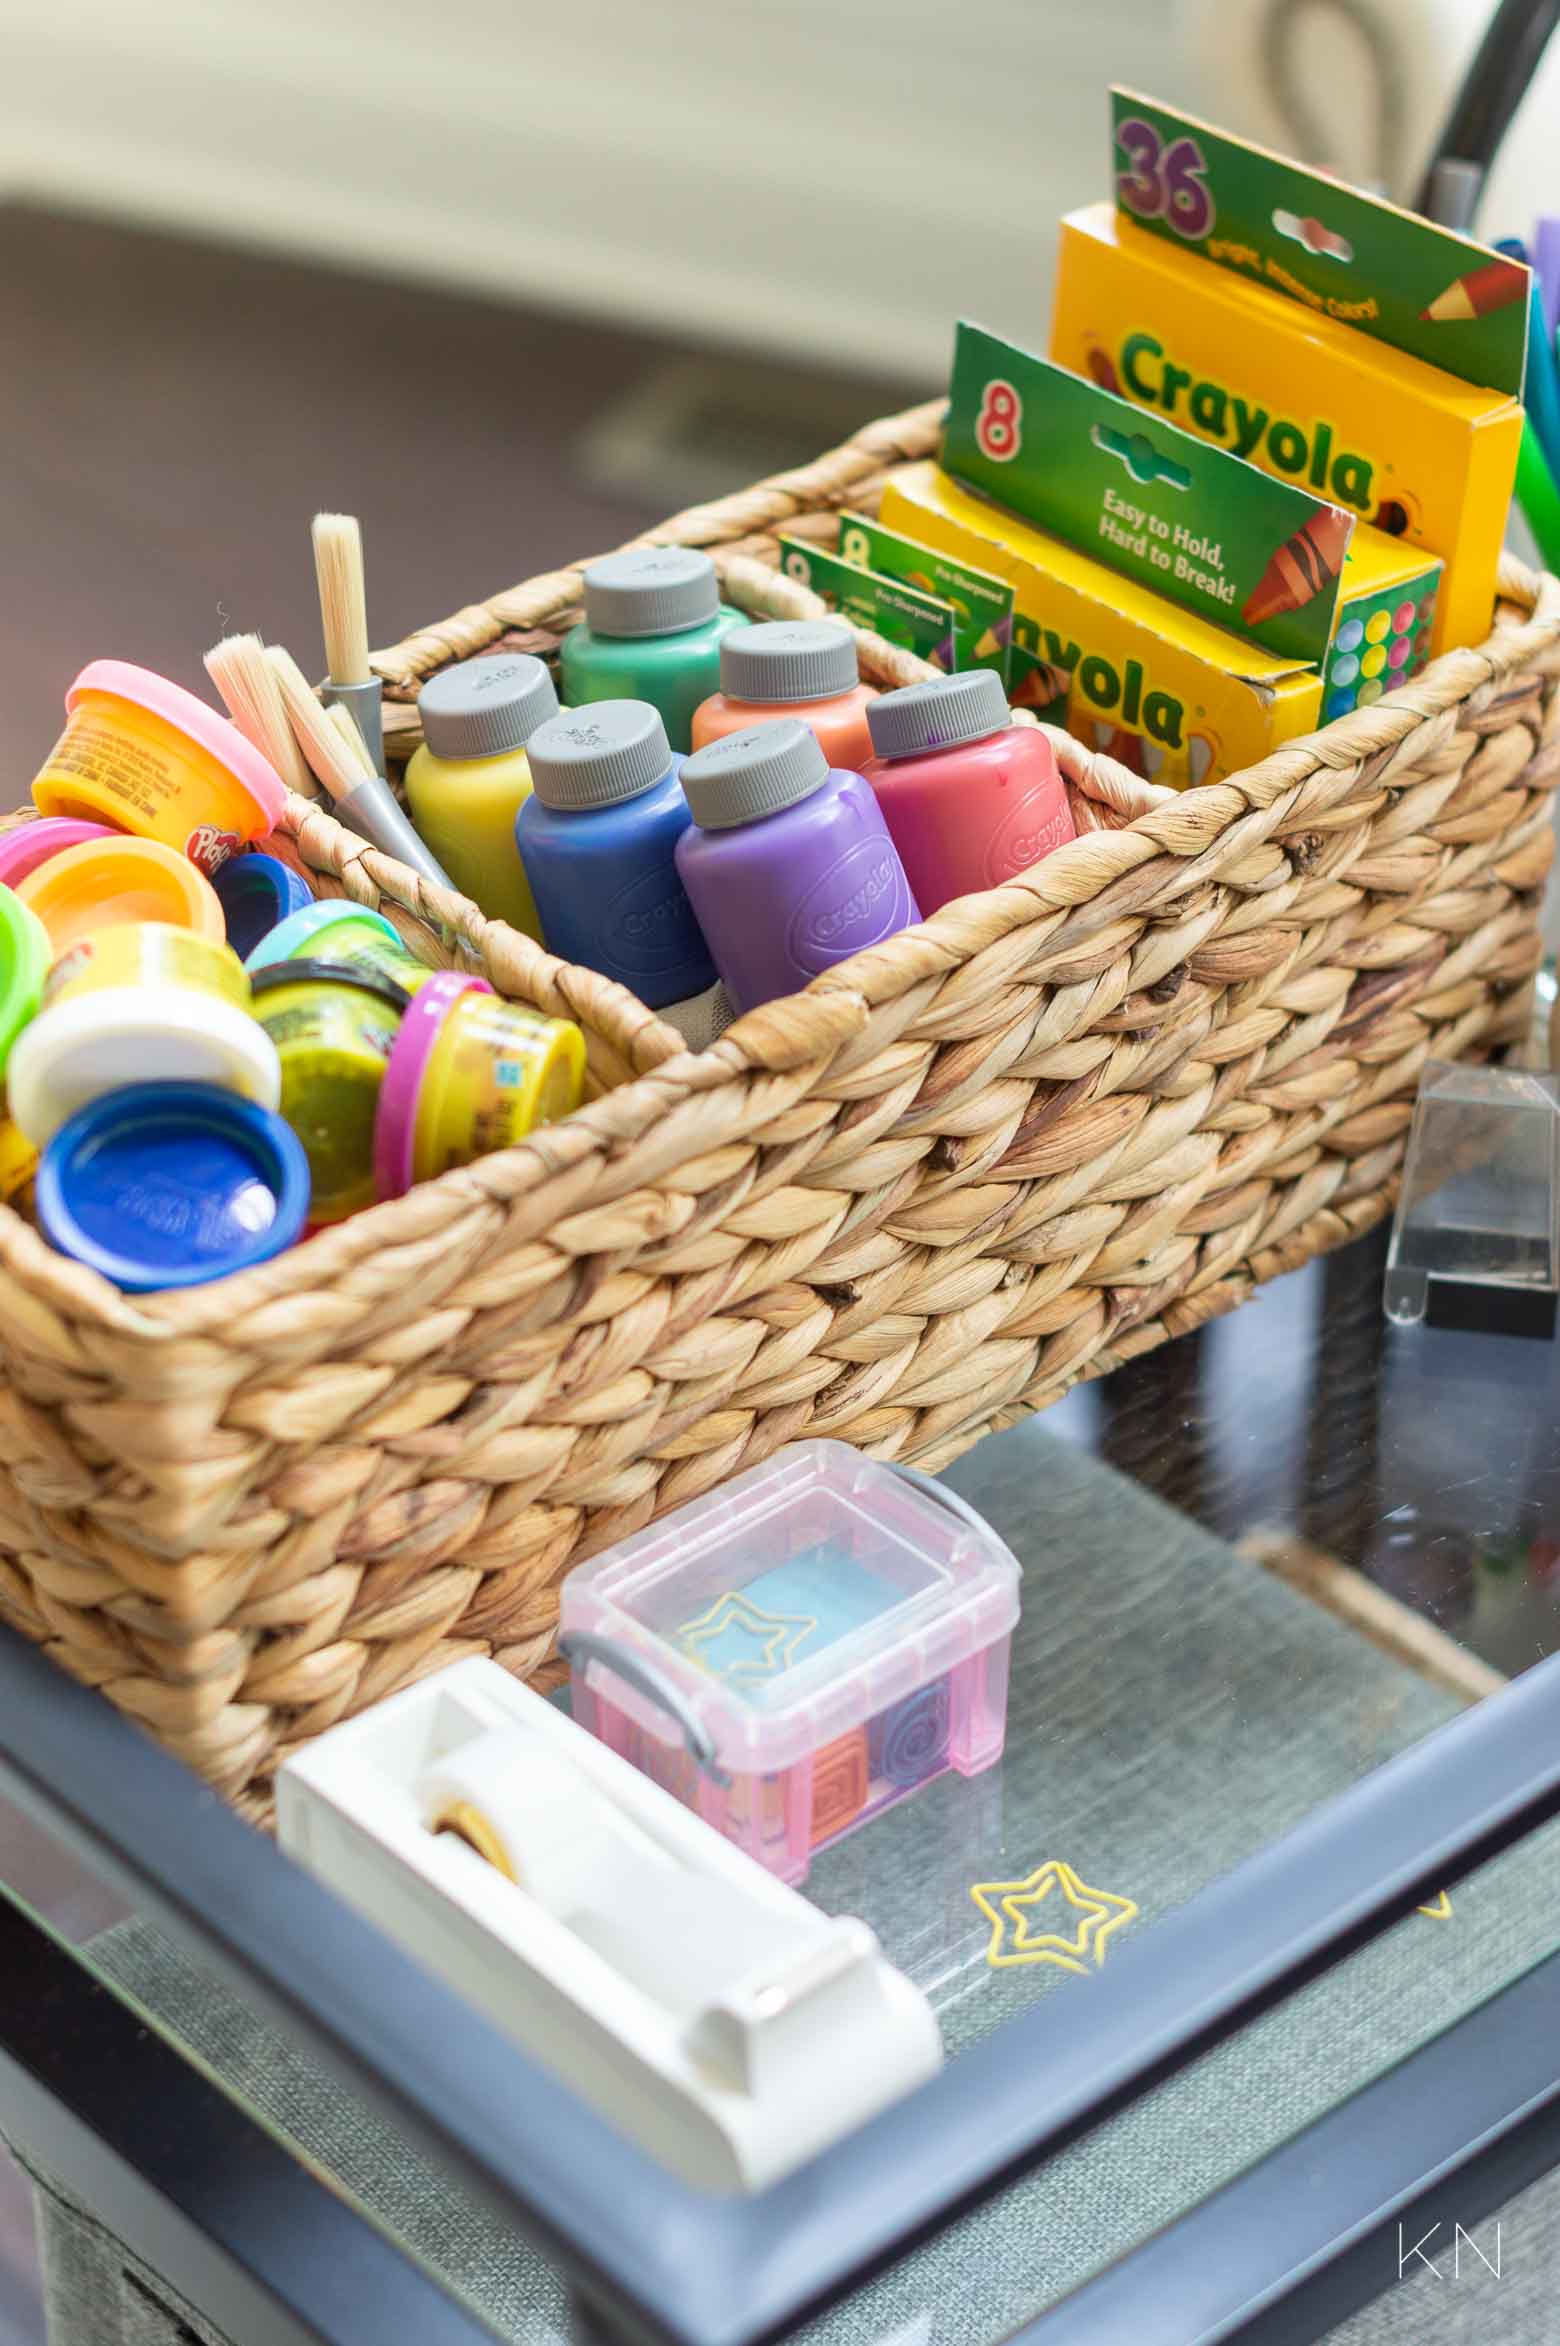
pixel 148 758
pixel 216 734
pixel 24 849
pixel 395 1122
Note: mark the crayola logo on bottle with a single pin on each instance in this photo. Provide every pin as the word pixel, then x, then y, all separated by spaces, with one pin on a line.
pixel 1113 691
pixel 859 900
pixel 1035 826
pixel 652 924
pixel 1149 375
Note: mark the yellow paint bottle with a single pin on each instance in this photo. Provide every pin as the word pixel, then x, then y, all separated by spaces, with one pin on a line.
pixel 468 782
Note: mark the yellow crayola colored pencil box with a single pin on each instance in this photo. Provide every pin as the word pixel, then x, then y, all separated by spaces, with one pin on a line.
pixel 1423 455
pixel 1174 697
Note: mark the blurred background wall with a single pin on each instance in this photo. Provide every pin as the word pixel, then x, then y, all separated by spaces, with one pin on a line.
pixel 833 178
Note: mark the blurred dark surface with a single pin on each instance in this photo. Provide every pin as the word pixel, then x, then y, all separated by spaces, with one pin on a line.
pixel 171 416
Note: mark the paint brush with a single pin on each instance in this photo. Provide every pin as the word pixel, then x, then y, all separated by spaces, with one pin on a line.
pixel 247 682
pixel 330 742
pixel 338 567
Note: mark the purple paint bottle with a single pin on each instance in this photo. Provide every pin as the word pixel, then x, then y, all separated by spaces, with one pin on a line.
pixel 789 865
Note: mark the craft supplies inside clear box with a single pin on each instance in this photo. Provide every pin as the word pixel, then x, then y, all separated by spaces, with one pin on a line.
pixel 795 1652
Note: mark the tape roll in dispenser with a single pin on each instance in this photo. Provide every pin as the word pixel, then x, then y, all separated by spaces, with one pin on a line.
pixel 535 1817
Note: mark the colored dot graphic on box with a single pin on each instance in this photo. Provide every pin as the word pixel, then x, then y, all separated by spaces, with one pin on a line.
pixel 1381 644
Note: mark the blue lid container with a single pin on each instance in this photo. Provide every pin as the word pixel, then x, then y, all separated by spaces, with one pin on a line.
pixel 256 892
pixel 172 1184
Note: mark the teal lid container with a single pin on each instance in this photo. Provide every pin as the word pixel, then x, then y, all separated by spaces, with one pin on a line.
pixel 653 627
pixel 337 930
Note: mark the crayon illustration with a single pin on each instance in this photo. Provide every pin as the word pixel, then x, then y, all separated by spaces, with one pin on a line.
pixel 1396 516
pixel 1042 685
pixel 1314 236
pixel 1494 287
pixel 1126 747
pixel 1301 568
pixel 1102 369
pixel 1178 769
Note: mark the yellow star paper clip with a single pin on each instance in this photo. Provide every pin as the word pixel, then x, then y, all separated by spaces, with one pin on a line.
pixel 765 1644
pixel 1009 1907
pixel 1439 1908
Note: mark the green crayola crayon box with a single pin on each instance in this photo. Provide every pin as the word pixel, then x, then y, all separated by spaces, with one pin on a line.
pixel 901 614
pixel 1330 339
pixel 1173 696
pixel 1308 611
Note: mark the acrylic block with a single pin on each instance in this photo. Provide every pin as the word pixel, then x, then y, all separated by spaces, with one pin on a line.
pixel 1476 1239
pixel 795 1652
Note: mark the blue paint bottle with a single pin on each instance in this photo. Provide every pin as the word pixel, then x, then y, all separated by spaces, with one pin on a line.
pixel 597 837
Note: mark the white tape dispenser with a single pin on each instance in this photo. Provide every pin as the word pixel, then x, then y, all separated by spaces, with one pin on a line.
pixel 696 2001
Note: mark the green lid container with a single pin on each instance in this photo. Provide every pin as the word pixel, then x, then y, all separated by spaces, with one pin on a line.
pixel 24 964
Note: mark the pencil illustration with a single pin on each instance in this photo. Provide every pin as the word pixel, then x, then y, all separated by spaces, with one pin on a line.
pixel 1301 568
pixel 1494 287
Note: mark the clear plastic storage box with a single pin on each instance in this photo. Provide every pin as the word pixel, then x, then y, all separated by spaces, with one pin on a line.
pixel 801 1648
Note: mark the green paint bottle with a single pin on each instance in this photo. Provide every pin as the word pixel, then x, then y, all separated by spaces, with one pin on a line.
pixel 652 632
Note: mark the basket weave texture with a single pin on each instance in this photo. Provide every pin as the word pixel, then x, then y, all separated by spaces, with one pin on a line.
pixel 1050 1128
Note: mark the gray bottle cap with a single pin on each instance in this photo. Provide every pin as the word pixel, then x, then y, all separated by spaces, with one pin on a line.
pixel 789 660
pixel 595 756
pixel 480 708
pixel 652 590
pixel 754 773
pixel 939 713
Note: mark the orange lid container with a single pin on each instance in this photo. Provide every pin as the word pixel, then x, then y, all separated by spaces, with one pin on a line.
pixel 109 881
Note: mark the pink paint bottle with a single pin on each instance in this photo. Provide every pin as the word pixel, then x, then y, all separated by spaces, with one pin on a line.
pixel 792 668
pixel 970 798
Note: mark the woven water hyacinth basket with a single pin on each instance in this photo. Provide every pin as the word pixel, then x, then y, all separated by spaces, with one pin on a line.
pixel 1052 1127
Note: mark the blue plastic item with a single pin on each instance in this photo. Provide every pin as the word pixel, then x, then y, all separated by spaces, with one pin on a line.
pixel 257 892
pixel 172 1184
pixel 598 839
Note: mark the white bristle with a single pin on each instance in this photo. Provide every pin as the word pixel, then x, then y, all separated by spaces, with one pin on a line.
pixel 338 566
pixel 242 674
pixel 356 746
pixel 321 740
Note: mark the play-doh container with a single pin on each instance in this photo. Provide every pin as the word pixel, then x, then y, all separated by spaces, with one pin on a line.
pixel 18 1165
pixel 30 844
pixel 257 893
pixel 172 1184
pixel 334 1029
pixel 106 882
pixel 138 1003
pixel 24 967
pixel 148 757
pixel 347 934
pixel 800 1648
pixel 470 1074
